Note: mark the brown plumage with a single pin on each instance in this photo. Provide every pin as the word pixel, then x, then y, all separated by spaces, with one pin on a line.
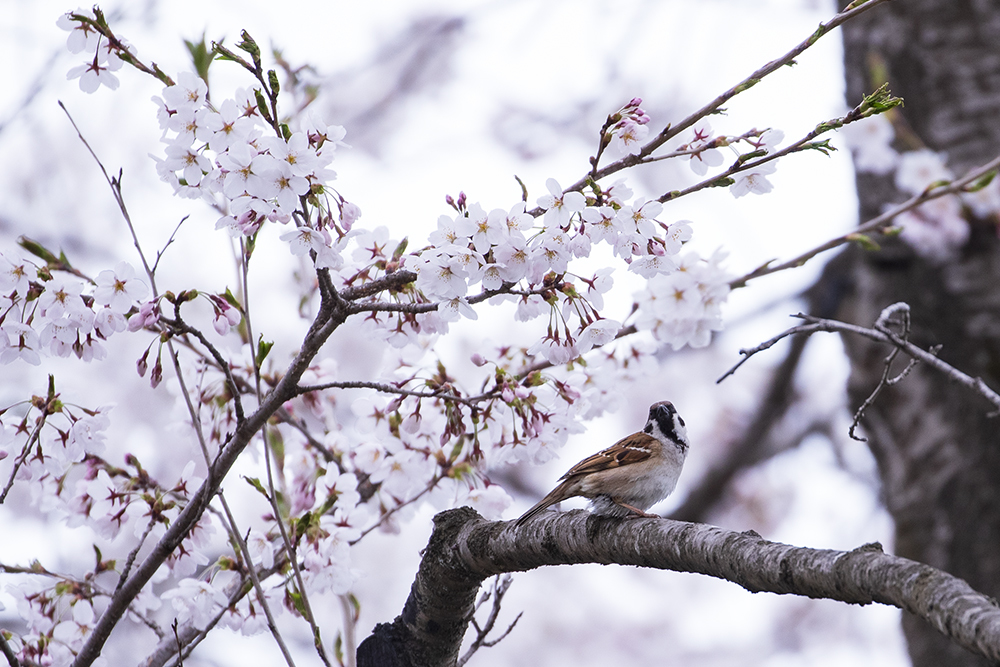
pixel 635 473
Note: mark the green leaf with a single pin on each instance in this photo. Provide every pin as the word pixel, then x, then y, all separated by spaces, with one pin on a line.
pixel 880 101
pixel 255 483
pixel 981 182
pixel 746 157
pixel 823 147
pixel 355 606
pixel 456 451
pixel 263 348
pixel 937 184
pixel 201 56
pixel 305 522
pixel 401 248
pixel 338 649
pixel 864 241
pixel 277 443
pixel 37 249
pixel 297 604
pixel 524 188
pixel 231 300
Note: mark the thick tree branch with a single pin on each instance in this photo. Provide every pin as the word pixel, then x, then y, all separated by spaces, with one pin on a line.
pixel 465 549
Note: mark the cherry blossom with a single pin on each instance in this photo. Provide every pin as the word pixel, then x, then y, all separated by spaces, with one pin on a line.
pixel 14 274
pixel 19 341
pixel 753 180
pixel 560 206
pixel 628 133
pixel 190 91
pixel 684 307
pixel 339 478
pixel 871 141
pixel 196 601
pixel 119 289
pixel 919 169
pixel 936 229
pixel 704 157
pixel 228 126
pixel 596 334
pixel 82 36
pixel 62 296
pixel 97 73
pixel 602 223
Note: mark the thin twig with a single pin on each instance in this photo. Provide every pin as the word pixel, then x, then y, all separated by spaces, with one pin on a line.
pixel 500 586
pixel 471 401
pixel 876 224
pixel 101 26
pixel 32 439
pixel 173 234
pixel 882 324
pixel 181 326
pixel 715 106
pixel 815 324
pixel 132 554
pixel 116 190
pixel 232 528
pixel 430 485
pixel 272 496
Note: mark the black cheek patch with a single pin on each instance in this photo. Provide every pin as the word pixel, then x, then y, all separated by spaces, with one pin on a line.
pixel 666 424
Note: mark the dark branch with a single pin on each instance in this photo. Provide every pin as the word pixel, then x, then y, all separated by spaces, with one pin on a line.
pixel 815 324
pixel 465 549
pixel 391 281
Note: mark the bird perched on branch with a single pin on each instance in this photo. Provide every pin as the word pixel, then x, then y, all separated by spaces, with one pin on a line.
pixel 631 475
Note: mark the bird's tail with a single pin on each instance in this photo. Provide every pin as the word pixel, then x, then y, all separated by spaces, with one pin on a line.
pixel 556 495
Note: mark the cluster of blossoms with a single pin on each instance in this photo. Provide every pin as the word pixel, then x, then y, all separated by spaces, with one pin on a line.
pixel 627 128
pixel 502 248
pixel 62 313
pixel 223 151
pixel 684 307
pixel 936 229
pixel 98 71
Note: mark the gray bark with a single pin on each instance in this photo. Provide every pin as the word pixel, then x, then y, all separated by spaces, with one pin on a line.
pixel 937 451
pixel 465 549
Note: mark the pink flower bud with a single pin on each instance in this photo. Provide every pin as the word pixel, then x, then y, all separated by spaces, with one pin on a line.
pixel 141 365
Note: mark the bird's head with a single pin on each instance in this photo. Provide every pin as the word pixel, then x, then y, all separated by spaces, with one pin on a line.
pixel 666 425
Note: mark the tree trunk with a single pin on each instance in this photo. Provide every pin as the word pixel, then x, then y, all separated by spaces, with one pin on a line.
pixel 938 452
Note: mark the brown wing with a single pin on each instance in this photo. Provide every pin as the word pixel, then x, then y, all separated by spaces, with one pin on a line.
pixel 630 449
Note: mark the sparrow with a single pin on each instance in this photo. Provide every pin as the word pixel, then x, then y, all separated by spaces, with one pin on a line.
pixel 631 475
